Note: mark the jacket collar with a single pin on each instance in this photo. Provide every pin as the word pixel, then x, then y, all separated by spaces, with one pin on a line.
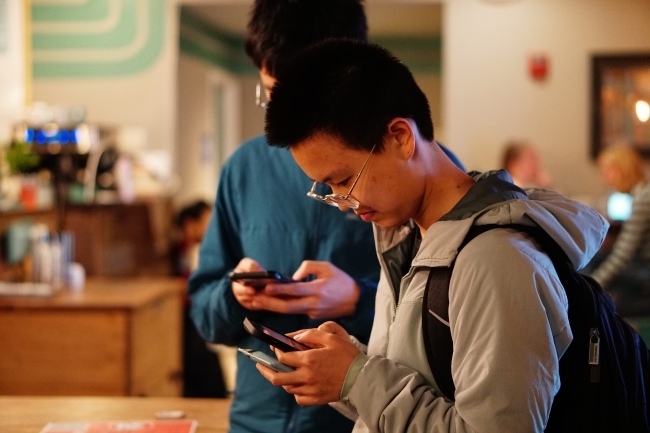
pixel 491 187
pixel 440 244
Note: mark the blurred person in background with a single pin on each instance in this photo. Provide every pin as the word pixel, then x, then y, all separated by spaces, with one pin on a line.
pixel 192 221
pixel 521 160
pixel 625 271
pixel 202 376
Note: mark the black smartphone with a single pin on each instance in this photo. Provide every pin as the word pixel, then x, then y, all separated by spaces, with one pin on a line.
pixel 274 338
pixel 260 279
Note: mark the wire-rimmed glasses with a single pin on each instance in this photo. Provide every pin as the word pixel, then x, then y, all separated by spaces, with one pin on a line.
pixel 340 199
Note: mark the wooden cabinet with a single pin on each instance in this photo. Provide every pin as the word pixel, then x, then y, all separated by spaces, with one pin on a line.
pixel 112 240
pixel 118 337
pixel 122 239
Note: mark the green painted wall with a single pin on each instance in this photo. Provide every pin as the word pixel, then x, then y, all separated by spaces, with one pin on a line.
pixel 205 42
pixel 213 46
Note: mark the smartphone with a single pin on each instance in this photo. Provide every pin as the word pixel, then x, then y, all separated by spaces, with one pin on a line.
pixel 274 338
pixel 265 359
pixel 260 279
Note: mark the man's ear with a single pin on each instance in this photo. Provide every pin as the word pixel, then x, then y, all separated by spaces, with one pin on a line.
pixel 400 136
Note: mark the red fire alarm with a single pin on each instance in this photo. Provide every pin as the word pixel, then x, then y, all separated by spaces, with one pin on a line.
pixel 538 66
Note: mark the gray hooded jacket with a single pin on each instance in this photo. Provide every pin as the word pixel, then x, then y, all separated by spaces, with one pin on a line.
pixel 507 314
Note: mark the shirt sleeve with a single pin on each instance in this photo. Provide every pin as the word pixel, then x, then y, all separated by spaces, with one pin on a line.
pixel 214 309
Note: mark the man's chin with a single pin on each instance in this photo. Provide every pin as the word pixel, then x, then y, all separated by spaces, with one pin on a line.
pixel 387 223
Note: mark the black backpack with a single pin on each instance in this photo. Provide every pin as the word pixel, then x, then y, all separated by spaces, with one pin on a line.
pixel 605 371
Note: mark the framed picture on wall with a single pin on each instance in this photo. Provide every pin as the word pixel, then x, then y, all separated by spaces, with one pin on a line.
pixel 620 110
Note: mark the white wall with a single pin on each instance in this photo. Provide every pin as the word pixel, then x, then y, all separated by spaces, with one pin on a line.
pixel 202 146
pixel 488 96
pixel 12 65
pixel 252 115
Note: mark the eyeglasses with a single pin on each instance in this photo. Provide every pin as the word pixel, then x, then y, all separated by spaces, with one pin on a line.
pixel 339 199
pixel 258 97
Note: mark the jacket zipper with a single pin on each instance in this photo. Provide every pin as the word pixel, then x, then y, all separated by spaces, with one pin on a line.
pixel 390 284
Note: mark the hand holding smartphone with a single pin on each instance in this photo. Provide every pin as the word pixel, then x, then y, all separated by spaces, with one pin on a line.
pixel 259 279
pixel 272 337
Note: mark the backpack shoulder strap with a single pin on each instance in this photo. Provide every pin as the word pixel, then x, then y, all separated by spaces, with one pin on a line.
pixel 435 319
pixel 435 329
pixel 435 304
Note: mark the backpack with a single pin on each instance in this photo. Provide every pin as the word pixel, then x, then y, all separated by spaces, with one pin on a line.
pixel 605 371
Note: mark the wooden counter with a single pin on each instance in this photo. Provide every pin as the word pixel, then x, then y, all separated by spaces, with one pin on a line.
pixel 116 337
pixel 30 414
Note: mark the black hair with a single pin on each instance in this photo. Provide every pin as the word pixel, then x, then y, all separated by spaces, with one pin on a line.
pixel 278 29
pixel 347 89
pixel 191 212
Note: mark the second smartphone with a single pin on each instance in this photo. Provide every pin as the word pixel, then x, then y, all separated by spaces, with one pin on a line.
pixel 267 360
pixel 272 337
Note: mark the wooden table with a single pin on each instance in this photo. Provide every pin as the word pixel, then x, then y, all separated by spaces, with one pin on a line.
pixel 30 414
pixel 117 337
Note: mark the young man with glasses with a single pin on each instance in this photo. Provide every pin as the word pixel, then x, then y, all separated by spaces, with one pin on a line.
pixel 262 219
pixel 354 118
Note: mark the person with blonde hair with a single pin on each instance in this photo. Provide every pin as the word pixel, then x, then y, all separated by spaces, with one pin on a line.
pixel 621 167
pixel 626 270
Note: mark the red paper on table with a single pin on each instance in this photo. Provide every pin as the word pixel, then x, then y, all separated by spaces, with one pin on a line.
pixel 181 426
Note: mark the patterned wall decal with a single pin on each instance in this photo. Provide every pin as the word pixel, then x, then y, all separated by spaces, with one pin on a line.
pixel 96 38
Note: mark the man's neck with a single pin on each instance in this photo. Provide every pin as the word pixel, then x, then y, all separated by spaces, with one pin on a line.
pixel 445 186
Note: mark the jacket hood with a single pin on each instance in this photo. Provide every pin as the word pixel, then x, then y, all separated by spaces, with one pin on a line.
pixel 578 229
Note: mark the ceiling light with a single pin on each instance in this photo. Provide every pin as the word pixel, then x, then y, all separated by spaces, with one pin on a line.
pixel 642 111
